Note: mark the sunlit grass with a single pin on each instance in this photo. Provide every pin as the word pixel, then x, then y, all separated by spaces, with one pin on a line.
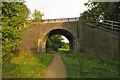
pixel 64 50
pixel 27 66
pixel 83 66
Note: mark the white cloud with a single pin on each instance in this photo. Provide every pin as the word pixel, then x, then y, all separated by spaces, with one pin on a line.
pixel 57 8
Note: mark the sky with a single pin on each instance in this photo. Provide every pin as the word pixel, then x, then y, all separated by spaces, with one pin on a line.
pixel 53 9
pixel 57 8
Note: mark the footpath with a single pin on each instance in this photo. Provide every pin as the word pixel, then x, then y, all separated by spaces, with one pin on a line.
pixel 56 69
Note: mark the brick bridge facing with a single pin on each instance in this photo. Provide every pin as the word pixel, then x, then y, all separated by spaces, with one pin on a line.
pixel 35 37
pixel 94 40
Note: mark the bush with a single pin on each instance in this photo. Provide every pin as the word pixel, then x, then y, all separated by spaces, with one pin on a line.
pixel 14 18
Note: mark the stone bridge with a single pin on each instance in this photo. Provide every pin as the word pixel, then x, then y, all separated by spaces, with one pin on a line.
pixel 38 32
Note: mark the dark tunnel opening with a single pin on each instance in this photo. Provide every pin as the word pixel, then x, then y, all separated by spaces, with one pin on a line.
pixel 64 33
pixel 57 43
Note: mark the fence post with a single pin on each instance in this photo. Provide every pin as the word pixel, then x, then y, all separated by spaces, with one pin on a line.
pixel 54 20
pixel 97 21
pixel 112 25
pixel 68 19
pixel 103 23
pixel 75 19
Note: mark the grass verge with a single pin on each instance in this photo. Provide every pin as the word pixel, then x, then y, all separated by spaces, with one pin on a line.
pixel 80 65
pixel 64 50
pixel 27 66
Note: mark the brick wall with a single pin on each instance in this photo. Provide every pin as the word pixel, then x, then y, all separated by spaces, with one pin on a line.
pixel 98 41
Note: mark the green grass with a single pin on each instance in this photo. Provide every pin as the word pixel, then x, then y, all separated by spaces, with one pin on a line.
pixel 83 66
pixel 63 50
pixel 27 66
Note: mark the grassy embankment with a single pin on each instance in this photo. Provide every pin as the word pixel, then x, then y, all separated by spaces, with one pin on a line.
pixel 27 66
pixel 80 65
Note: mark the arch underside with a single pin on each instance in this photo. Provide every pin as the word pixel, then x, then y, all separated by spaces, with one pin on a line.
pixel 63 32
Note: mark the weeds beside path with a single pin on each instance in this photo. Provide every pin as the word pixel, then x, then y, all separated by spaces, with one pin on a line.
pixel 27 66
pixel 81 65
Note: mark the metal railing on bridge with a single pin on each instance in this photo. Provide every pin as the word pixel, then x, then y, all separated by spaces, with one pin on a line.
pixel 61 19
pixel 108 24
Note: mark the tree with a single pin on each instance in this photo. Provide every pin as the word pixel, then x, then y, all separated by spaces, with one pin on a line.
pixel 103 10
pixel 37 15
pixel 65 45
pixel 55 42
pixel 14 18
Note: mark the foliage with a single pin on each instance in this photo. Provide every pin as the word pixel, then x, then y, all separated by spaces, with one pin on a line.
pixel 0 45
pixel 14 18
pixel 80 65
pixel 103 10
pixel 37 15
pixel 65 45
pixel 55 42
pixel 28 65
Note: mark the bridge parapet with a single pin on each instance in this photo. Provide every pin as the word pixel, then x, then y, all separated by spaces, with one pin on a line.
pixel 61 20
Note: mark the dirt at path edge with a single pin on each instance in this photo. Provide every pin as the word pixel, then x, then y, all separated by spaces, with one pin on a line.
pixel 56 69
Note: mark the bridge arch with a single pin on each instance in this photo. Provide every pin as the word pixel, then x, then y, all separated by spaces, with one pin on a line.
pixel 63 32
pixel 35 37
